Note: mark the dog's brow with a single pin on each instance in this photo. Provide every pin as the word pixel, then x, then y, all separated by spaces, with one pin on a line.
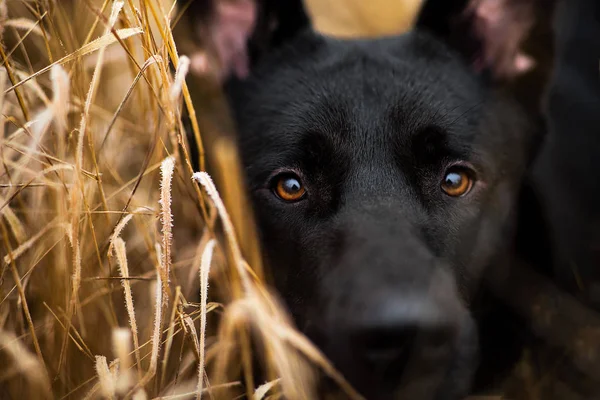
pixel 427 135
pixel 317 147
pixel 330 119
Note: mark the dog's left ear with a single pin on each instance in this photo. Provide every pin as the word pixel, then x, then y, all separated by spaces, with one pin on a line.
pixel 489 33
pixel 241 31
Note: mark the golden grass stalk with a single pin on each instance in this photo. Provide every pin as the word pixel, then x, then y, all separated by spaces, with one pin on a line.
pixel 172 50
pixel 167 167
pixel 121 254
pixel 170 334
pixel 73 235
pixel 263 389
pixel 105 378
pixel 205 180
pixel 180 74
pixel 158 304
pixel 190 329
pixel 204 275
pixel 122 350
pixel 157 328
pixel 242 273
pixel 117 232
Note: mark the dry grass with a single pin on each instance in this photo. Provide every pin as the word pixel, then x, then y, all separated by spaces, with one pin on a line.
pixel 108 244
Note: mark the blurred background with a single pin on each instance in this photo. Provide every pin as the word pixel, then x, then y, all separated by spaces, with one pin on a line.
pixel 346 18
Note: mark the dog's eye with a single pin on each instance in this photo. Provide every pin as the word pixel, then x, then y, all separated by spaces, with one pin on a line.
pixel 457 182
pixel 289 188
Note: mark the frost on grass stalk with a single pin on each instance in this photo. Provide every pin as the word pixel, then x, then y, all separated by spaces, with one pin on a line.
pixel 117 232
pixel 155 340
pixel 167 167
pixel 162 276
pixel 121 254
pixel 157 328
pixel 204 274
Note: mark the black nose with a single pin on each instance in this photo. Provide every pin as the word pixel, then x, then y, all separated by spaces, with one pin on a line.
pixel 403 337
pixel 385 349
pixel 391 351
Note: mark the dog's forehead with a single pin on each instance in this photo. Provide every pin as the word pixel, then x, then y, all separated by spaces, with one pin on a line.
pixel 394 86
pixel 409 64
pixel 408 76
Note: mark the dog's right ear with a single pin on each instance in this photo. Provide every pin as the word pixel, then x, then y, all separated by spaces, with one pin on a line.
pixel 239 32
pixel 489 33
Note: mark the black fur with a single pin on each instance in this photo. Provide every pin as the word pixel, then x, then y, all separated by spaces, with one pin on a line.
pixel 371 126
pixel 377 264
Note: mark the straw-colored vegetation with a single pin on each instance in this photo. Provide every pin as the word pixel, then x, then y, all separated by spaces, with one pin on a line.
pixel 108 244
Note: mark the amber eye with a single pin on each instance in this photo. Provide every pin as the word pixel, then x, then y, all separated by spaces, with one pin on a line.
pixel 457 182
pixel 289 188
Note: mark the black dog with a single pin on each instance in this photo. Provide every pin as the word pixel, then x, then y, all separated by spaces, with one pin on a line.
pixel 385 175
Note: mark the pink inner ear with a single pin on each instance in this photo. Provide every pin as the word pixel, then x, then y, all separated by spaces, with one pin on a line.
pixel 501 26
pixel 233 24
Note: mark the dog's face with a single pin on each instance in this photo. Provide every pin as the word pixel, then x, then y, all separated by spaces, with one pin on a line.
pixel 383 174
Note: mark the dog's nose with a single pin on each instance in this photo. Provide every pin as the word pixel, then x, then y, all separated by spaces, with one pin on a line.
pixel 402 335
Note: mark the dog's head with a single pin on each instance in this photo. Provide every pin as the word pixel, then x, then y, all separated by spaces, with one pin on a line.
pixel 384 174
